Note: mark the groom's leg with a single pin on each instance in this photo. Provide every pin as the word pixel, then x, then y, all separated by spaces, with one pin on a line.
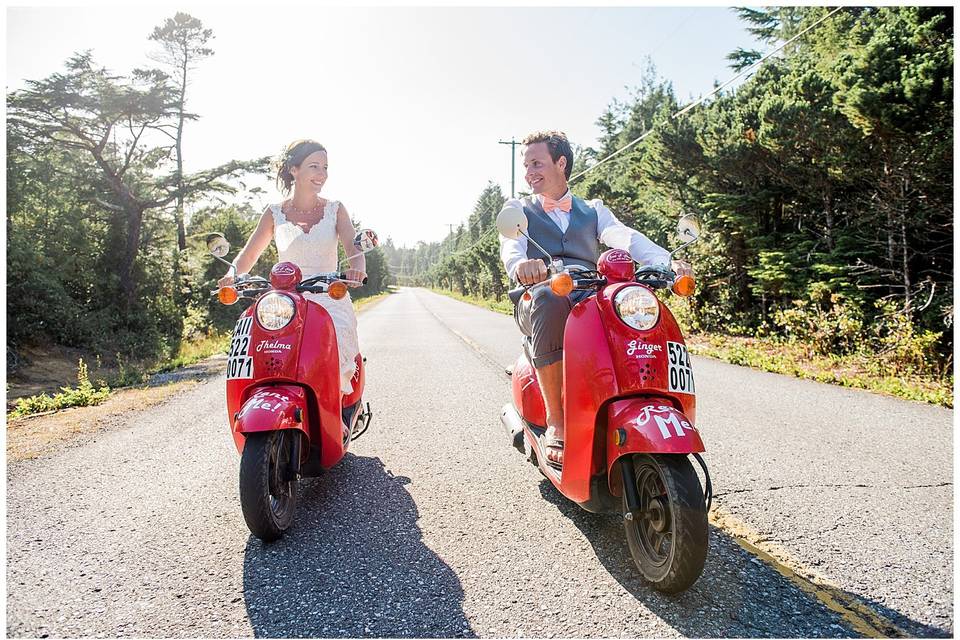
pixel 550 378
pixel 544 318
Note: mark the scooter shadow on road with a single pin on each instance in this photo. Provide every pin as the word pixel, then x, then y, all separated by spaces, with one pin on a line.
pixel 352 565
pixel 738 595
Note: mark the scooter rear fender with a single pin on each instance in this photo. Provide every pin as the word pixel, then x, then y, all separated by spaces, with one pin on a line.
pixel 646 425
pixel 271 408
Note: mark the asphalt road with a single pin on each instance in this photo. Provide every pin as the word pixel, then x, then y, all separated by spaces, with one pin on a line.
pixel 435 526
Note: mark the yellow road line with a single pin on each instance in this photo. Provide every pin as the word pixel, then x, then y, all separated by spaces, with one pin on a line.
pixel 854 611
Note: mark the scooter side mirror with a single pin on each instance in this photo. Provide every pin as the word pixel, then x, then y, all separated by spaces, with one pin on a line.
pixel 511 222
pixel 218 245
pixel 366 240
pixel 688 227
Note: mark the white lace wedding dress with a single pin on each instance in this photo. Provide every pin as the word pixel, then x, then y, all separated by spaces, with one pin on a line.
pixel 315 251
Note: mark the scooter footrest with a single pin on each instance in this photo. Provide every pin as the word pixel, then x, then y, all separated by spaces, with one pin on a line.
pixel 347 413
pixel 363 422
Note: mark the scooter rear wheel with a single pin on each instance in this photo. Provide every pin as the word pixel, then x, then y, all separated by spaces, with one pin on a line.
pixel 267 498
pixel 668 538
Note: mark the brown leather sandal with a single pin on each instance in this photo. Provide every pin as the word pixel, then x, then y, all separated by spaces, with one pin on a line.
pixel 555 444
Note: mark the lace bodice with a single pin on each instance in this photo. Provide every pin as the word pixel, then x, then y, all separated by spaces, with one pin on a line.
pixel 314 251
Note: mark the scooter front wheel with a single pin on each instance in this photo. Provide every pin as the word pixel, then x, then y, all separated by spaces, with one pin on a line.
pixel 668 535
pixel 268 499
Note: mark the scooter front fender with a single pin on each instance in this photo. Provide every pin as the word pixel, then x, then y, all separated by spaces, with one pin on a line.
pixel 271 408
pixel 646 425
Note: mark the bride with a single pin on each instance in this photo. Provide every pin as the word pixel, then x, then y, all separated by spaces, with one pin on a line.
pixel 306 228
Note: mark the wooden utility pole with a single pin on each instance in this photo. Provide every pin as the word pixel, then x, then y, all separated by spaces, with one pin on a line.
pixel 513 162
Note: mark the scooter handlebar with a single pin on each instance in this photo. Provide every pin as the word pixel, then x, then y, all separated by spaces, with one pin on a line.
pixel 656 276
pixel 255 284
pixel 245 284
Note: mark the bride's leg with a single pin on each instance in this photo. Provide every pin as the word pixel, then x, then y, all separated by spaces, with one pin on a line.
pixel 345 325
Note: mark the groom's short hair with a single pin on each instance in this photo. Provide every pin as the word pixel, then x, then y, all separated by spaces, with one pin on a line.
pixel 557 145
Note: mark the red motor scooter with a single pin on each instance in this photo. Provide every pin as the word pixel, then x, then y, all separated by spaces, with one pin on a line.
pixel 287 414
pixel 629 409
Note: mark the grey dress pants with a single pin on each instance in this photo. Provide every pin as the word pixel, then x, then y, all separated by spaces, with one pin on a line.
pixel 543 319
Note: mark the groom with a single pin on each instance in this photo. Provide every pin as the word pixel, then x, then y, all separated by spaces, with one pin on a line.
pixel 569 229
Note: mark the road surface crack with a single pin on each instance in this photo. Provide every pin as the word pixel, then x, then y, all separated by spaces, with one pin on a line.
pixel 796 486
pixel 829 486
pixel 929 486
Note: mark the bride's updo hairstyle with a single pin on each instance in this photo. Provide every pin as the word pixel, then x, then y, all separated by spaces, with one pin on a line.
pixel 295 153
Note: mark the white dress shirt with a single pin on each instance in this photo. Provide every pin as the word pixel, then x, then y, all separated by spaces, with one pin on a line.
pixel 610 232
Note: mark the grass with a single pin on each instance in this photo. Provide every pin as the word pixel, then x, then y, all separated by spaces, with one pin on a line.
pixel 795 360
pixel 363 303
pixel 790 359
pixel 191 352
pixel 83 395
pixel 504 306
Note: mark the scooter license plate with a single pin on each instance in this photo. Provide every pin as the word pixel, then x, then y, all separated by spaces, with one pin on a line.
pixel 681 373
pixel 239 361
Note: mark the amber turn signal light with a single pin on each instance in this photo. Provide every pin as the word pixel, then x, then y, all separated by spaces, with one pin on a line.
pixel 337 289
pixel 227 295
pixel 684 286
pixel 561 284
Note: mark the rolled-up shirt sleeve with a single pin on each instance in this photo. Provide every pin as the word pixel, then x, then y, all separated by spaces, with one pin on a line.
pixel 512 252
pixel 617 235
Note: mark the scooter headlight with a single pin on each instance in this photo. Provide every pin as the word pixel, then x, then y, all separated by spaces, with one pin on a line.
pixel 275 311
pixel 638 307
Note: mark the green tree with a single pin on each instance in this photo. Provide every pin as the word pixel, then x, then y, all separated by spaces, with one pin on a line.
pixel 111 119
pixel 183 42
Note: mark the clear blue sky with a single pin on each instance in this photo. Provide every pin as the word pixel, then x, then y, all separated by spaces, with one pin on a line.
pixel 410 102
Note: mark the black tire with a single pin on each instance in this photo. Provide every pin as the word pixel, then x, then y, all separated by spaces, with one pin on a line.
pixel 267 500
pixel 669 546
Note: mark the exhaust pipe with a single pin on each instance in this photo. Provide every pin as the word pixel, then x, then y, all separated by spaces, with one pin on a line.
pixel 513 423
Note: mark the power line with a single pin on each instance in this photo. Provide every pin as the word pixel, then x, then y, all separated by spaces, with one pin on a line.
pixel 663 40
pixel 702 99
pixel 639 139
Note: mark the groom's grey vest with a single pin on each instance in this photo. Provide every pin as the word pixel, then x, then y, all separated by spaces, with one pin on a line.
pixel 577 245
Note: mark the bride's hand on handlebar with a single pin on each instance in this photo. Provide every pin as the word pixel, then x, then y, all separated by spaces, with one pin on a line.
pixel 356 276
pixel 531 271
pixel 682 268
pixel 225 281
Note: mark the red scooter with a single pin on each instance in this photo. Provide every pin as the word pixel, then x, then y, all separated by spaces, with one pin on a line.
pixel 629 409
pixel 287 414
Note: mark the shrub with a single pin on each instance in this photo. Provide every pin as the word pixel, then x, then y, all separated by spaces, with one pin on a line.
pixel 902 347
pixel 82 396
pixel 838 328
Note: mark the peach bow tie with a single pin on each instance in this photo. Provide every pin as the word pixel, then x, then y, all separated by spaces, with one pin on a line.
pixel 563 204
